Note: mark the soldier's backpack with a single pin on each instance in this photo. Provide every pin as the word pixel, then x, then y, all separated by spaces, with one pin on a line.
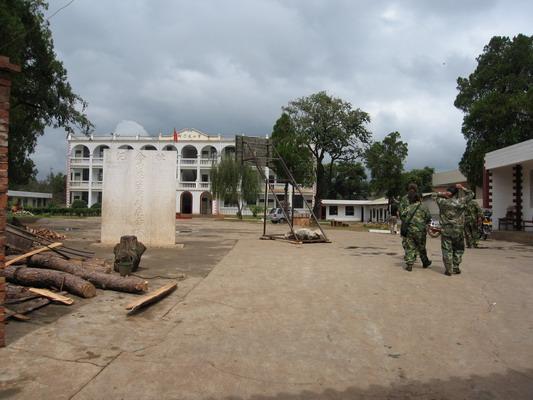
pixel 405 225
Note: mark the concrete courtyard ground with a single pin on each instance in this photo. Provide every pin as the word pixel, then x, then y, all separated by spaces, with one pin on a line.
pixel 267 320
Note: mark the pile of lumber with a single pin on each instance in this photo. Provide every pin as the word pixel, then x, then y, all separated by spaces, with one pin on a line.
pixel 50 272
pixel 40 268
pixel 23 300
pixel 46 233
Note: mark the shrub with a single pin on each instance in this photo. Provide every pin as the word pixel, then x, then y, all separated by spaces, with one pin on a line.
pixel 78 204
pixel 255 209
pixel 96 206
pixel 64 211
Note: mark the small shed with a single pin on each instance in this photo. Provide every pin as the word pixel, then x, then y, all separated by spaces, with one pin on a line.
pixel 29 199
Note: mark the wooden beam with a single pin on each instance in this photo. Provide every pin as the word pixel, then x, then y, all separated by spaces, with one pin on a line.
pixel 33 252
pixel 152 297
pixel 52 296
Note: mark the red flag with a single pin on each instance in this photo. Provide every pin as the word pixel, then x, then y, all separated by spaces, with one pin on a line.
pixel 175 135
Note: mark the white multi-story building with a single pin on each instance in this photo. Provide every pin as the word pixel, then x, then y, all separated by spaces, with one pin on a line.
pixel 197 153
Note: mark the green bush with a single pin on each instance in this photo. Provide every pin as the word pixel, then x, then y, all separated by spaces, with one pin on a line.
pixel 96 206
pixel 66 211
pixel 255 209
pixel 79 204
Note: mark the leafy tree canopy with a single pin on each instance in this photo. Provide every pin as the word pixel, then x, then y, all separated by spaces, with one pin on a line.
pixel 422 177
pixel 294 152
pixel 497 99
pixel 234 182
pixel 349 182
pixel 40 94
pixel 385 161
pixel 330 127
pixel 53 183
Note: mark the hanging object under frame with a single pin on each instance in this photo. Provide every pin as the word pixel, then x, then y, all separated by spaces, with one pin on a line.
pixel 261 153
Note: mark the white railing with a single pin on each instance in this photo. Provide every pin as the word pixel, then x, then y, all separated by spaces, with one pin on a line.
pixel 204 185
pixel 98 184
pixel 189 161
pixel 208 161
pixel 187 185
pixel 79 184
pixel 79 160
pixel 98 160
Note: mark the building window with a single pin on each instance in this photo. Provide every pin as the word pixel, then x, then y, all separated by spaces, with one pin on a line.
pixel 349 211
pixel 298 202
pixel 333 210
pixel 230 204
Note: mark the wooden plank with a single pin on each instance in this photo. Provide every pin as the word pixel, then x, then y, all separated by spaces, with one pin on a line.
pixel 14 315
pixel 52 296
pixel 152 297
pixel 33 252
pixel 29 306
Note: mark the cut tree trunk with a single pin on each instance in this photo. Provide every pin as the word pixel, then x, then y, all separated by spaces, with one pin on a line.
pixel 47 279
pixel 129 249
pixel 130 284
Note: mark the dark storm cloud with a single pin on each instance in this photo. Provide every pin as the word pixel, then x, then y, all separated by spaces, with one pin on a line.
pixel 228 67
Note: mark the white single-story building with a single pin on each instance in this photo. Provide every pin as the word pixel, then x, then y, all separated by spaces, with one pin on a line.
pixel 356 210
pixel 508 186
pixel 29 199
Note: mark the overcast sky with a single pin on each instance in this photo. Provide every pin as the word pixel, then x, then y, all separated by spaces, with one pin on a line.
pixel 227 67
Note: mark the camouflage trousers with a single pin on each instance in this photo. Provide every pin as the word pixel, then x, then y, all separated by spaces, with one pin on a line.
pixel 415 244
pixel 453 248
pixel 471 234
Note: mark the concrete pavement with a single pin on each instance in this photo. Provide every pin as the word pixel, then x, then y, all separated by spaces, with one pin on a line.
pixel 279 321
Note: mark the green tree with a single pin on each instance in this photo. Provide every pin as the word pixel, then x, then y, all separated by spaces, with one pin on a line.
pixel 349 181
pixel 57 186
pixel 293 150
pixel 422 177
pixel 53 183
pixel 40 94
pixel 385 161
pixel 497 99
pixel 234 183
pixel 329 127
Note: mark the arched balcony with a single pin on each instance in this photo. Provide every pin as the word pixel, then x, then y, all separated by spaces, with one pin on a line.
pixel 189 156
pixel 208 156
pixel 148 147
pixel 170 147
pixel 80 155
pixel 228 151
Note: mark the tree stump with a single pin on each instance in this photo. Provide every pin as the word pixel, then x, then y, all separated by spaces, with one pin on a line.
pixel 129 249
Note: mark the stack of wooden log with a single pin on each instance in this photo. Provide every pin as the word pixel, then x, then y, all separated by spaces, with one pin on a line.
pixel 59 274
pixel 40 271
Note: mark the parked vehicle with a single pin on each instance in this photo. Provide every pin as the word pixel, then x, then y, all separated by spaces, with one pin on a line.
pixel 276 215
pixel 485 228
pixel 434 228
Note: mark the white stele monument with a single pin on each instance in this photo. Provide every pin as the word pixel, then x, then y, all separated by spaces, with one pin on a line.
pixel 139 196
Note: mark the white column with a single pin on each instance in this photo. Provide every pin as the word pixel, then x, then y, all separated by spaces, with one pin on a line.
pixel 198 158
pixel 69 171
pixel 90 195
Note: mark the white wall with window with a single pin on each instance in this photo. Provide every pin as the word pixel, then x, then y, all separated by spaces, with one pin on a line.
pixel 356 210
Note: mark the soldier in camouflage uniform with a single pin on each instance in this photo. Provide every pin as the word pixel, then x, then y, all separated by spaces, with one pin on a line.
pixel 473 216
pixel 404 201
pixel 418 217
pixel 452 220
